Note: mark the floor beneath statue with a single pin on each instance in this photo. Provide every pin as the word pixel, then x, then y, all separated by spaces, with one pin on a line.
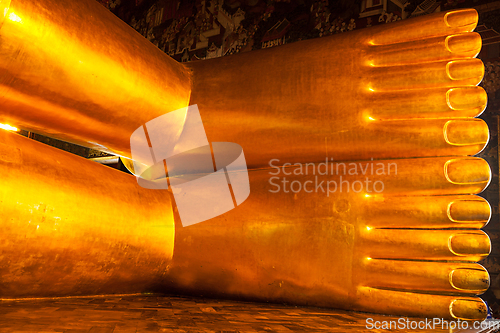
pixel 140 313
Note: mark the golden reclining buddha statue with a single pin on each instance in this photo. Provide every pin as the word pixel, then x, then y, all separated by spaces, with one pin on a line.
pixel 402 94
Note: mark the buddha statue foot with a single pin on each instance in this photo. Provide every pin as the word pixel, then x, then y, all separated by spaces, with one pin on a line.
pixel 401 241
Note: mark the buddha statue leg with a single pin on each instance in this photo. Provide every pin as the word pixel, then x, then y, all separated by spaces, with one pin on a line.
pixel 73 227
pixel 404 91
pixel 90 80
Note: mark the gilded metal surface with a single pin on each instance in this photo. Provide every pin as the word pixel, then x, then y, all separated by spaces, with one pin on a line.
pixel 72 226
pixel 348 250
pixel 405 90
pixel 70 69
pixel 350 95
pixel 73 78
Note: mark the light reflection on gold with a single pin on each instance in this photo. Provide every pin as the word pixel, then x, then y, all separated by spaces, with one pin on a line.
pixel 13 17
pixel 8 127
